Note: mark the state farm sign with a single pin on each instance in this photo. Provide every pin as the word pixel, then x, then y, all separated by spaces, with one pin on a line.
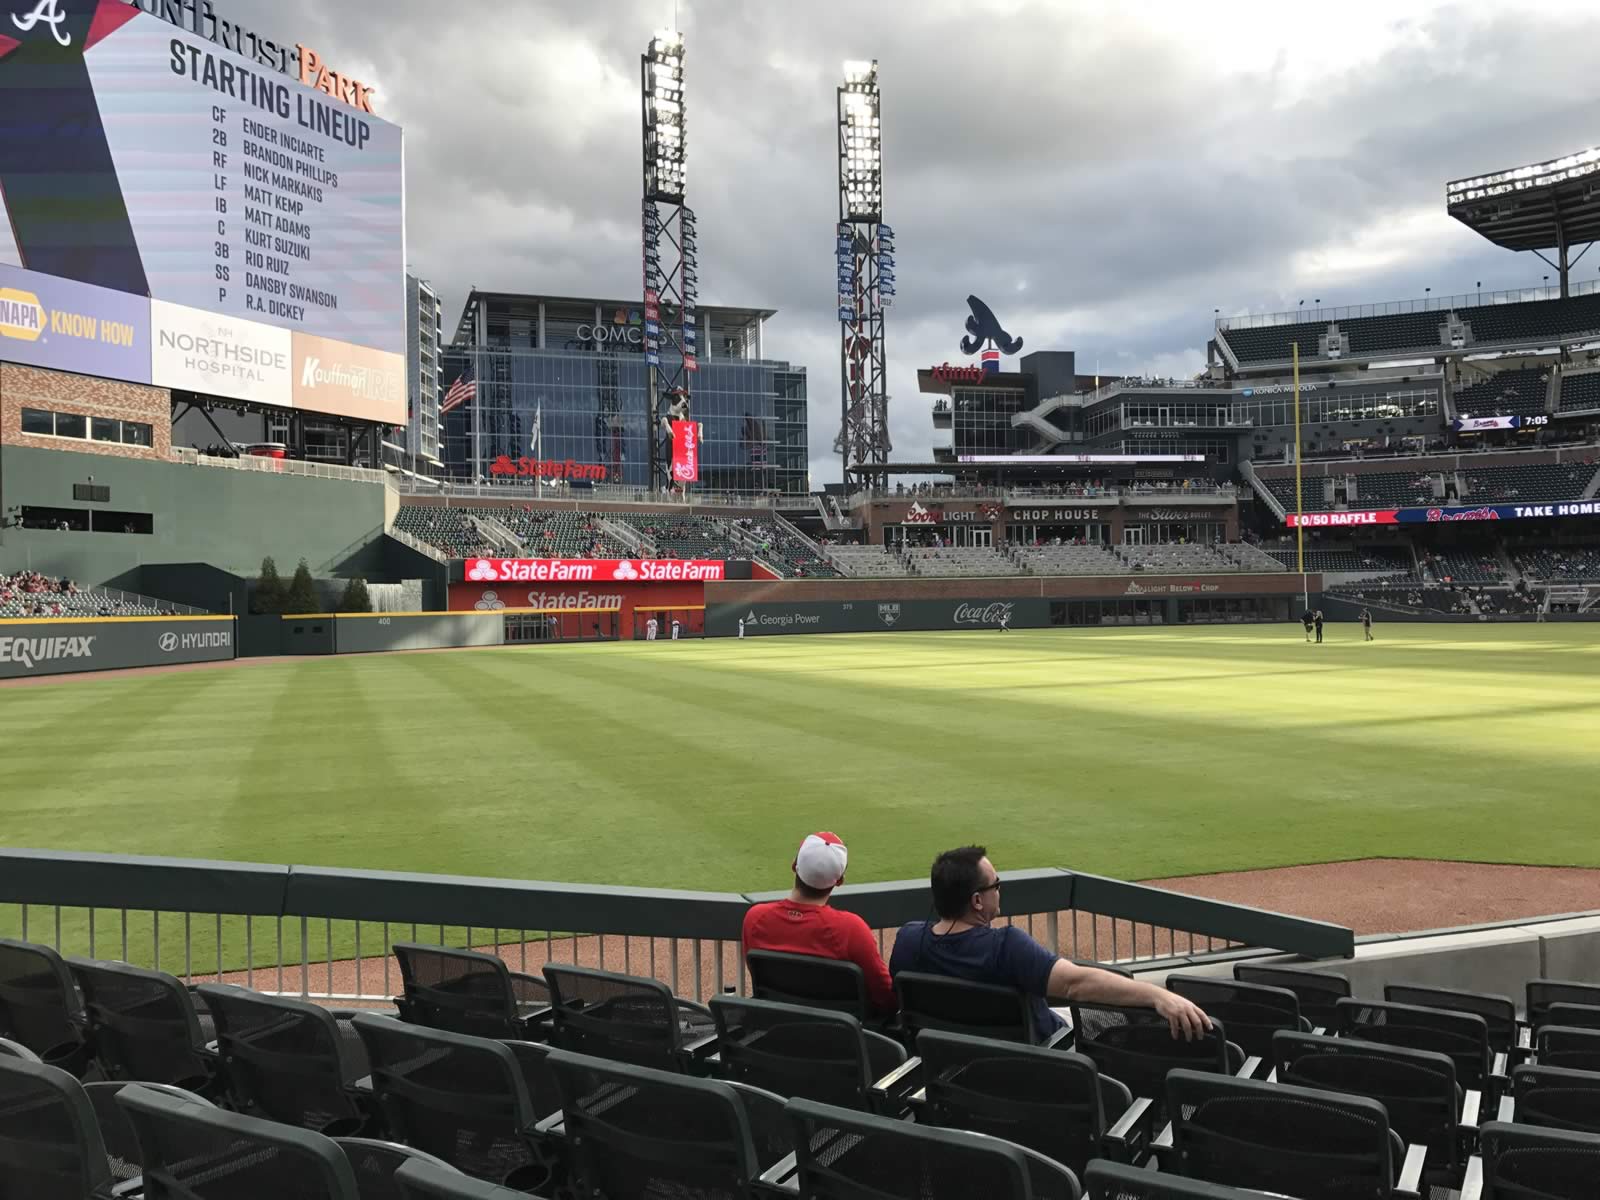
pixel 587 570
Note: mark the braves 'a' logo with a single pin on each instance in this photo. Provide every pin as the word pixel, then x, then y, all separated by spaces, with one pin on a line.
pixel 50 13
pixel 985 327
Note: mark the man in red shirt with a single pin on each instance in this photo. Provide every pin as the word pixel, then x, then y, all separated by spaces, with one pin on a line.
pixel 805 924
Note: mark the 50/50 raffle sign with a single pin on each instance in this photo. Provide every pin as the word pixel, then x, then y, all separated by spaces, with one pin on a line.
pixel 587 570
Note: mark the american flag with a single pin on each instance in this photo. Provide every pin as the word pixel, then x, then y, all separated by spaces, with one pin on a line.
pixel 465 388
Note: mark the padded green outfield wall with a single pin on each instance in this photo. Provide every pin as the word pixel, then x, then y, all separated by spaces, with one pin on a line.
pixel 228 518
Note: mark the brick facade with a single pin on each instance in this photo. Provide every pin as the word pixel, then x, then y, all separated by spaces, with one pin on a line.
pixel 57 391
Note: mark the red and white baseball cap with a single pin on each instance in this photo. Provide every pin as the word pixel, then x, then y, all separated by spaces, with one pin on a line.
pixel 821 860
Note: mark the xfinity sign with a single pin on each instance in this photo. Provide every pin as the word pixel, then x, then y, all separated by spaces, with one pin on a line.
pixel 617 335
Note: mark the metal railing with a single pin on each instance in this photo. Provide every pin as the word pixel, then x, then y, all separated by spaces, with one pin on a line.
pixel 417 544
pixel 279 466
pixel 579 498
pixel 1301 316
pixel 328 934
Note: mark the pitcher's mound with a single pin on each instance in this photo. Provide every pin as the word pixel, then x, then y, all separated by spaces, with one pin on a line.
pixel 1400 895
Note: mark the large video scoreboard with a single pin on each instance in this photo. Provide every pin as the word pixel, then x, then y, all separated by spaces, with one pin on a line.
pixel 176 212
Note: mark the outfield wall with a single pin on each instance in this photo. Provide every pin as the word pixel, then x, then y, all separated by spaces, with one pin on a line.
pixel 1025 601
pixel 68 645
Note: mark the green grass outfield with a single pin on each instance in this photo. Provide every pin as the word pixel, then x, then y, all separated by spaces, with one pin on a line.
pixel 699 764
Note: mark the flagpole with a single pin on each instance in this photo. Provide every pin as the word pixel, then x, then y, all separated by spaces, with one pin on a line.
pixel 1299 496
pixel 538 448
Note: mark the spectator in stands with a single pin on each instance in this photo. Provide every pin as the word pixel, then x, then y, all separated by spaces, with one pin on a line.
pixel 965 943
pixel 804 923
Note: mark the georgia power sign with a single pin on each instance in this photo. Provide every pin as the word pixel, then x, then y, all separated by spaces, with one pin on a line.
pixel 591 570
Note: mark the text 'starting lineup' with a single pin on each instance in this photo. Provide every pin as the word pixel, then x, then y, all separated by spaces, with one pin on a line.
pixel 178 170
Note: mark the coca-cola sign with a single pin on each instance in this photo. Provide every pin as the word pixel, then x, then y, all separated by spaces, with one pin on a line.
pixel 590 570
pixel 993 613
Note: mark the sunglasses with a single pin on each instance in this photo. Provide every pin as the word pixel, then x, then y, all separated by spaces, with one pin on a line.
pixel 990 887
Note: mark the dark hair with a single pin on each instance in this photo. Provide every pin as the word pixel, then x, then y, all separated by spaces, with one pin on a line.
pixel 807 892
pixel 955 876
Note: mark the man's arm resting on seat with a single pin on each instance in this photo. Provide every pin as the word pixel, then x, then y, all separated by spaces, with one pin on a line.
pixel 1069 981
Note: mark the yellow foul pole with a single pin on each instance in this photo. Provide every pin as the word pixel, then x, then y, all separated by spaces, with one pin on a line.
pixel 1299 495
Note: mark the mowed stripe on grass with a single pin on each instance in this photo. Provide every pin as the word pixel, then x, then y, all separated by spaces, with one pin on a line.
pixel 1135 753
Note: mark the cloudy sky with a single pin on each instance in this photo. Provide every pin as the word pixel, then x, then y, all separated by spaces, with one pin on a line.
pixel 1105 175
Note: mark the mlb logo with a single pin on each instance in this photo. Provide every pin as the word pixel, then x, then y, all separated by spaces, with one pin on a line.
pixel 991 361
pixel 888 613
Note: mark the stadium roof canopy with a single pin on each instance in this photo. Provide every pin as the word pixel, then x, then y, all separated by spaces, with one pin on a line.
pixel 1544 206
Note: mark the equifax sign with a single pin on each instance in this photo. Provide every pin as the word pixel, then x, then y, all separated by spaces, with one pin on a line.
pixel 589 570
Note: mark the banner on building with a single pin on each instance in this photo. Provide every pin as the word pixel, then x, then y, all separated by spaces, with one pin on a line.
pixel 685 451
pixel 1430 516
pixel 593 570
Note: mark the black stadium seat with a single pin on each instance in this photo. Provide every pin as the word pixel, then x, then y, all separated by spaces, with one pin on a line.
pixel 470 1101
pixel 1318 991
pixel 1556 1098
pixel 1252 1012
pixel 634 1131
pixel 1462 1036
pixel 1051 1101
pixel 1499 1013
pixel 961 1006
pixel 1542 993
pixel 1567 1046
pixel 50 1143
pixel 626 1018
pixel 1580 1016
pixel 117 1133
pixel 1301 1142
pixel 807 979
pixel 421 1180
pixel 193 1151
pixel 1116 1181
pixel 1417 1088
pixel 1135 1047
pixel 844 1155
pixel 144 1025
pixel 287 1060
pixel 10 1049
pixel 1521 1162
pixel 791 1050
pixel 377 1163
pixel 39 1005
pixel 464 991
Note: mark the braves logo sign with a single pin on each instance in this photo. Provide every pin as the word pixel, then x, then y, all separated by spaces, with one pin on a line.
pixel 987 336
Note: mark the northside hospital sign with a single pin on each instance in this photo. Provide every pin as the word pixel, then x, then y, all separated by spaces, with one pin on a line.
pixel 1429 516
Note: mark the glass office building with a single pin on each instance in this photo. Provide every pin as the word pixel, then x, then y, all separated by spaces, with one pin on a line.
pixel 560 390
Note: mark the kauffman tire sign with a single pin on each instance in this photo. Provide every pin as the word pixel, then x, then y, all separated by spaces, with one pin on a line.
pixel 29 649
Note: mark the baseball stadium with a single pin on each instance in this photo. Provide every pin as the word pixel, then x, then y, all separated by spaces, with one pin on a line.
pixel 412 736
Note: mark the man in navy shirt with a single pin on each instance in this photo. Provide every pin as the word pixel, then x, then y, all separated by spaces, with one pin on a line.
pixel 965 943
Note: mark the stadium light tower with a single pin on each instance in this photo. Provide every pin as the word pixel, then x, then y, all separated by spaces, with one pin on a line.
pixel 864 250
pixel 670 280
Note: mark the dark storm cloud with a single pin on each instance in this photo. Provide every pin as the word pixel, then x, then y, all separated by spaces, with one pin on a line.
pixel 1104 175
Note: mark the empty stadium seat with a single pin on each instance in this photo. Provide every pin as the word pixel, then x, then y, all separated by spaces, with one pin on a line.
pixel 1526 1161
pixel 627 1018
pixel 1556 1098
pixel 470 1101
pixel 192 1151
pixel 50 1143
pixel 633 1131
pixel 1542 993
pixel 144 1025
pixel 39 1005
pixel 287 1060
pixel 791 1050
pixel 1252 1012
pixel 1567 1046
pixel 377 1166
pixel 1580 392
pixel 866 562
pixel 1499 1013
pixel 1117 1181
pixel 960 561
pixel 1054 1102
pixel 117 1133
pixel 422 1180
pixel 1317 991
pixel 467 992
pixel 1535 482
pixel 1462 1036
pixel 1417 1089
pixel 1514 393
pixel 839 1153
pixel 10 1049
pixel 1301 1142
